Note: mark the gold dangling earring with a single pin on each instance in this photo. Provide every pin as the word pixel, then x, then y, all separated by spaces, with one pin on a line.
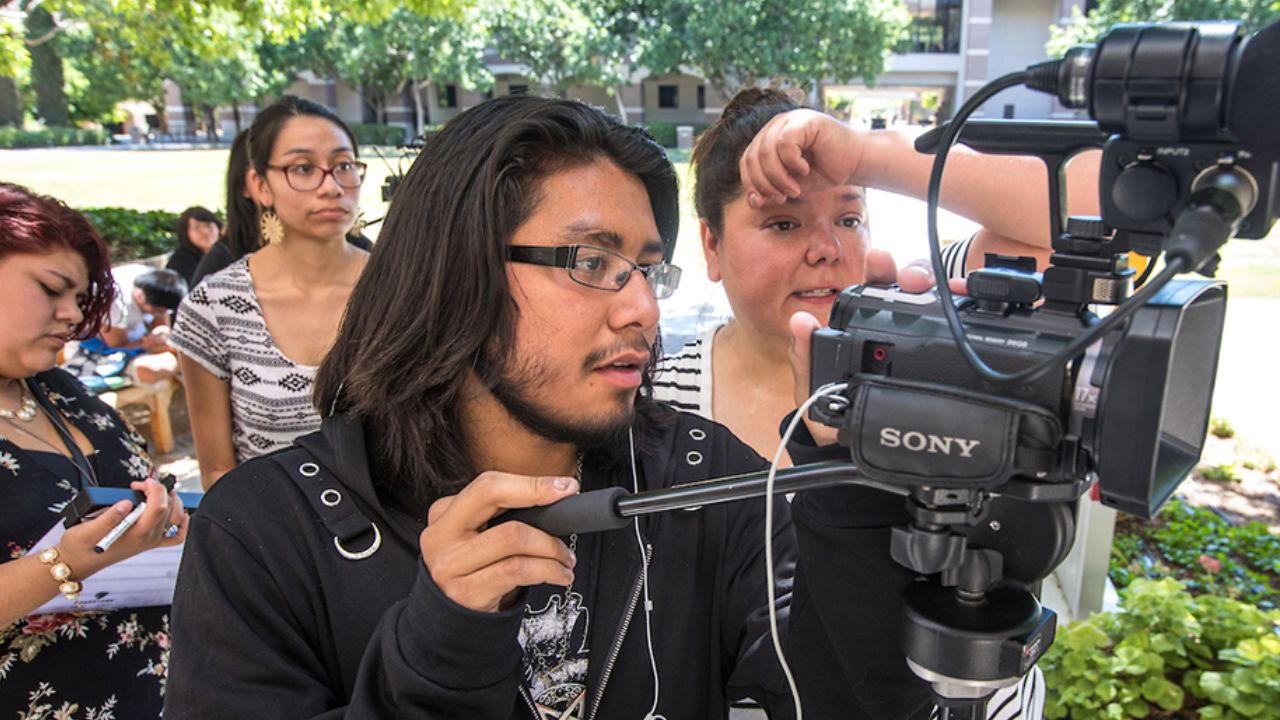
pixel 269 227
pixel 358 228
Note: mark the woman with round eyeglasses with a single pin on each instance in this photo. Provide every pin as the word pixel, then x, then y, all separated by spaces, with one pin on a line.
pixel 251 335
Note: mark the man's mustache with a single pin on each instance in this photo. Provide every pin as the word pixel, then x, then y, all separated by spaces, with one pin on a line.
pixel 636 344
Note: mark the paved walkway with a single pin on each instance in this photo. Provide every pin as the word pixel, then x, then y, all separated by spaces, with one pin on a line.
pixel 1247 392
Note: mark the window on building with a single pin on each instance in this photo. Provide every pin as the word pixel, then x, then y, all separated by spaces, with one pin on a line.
pixel 702 97
pixel 447 96
pixel 935 27
pixel 668 96
pixel 517 89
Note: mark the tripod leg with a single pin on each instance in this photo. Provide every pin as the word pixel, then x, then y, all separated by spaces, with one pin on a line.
pixel 956 709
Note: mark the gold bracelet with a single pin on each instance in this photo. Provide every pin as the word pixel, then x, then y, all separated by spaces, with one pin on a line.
pixel 62 573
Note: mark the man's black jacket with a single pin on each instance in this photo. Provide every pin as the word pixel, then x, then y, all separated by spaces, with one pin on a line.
pixel 270 621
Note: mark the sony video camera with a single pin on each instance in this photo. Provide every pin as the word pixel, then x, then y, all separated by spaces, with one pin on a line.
pixel 1188 117
pixel 995 412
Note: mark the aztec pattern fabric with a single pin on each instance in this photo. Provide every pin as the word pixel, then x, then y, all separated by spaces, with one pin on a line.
pixel 220 326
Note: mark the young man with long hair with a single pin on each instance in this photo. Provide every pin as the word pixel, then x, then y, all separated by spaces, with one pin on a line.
pixel 495 354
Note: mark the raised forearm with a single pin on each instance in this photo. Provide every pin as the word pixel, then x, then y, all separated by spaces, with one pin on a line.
pixel 1007 195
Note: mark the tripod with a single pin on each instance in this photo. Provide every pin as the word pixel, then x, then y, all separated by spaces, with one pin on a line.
pixel 973 627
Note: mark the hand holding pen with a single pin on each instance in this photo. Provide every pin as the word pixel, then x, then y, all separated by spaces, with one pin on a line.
pixel 171 530
pixel 158 519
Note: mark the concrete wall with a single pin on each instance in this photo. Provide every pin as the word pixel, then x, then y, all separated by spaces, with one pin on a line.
pixel 503 84
pixel 1019 31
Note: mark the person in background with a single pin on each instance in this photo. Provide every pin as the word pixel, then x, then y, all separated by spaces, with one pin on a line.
pixel 241 234
pixel 251 335
pixel 134 341
pixel 197 230
pixel 56 439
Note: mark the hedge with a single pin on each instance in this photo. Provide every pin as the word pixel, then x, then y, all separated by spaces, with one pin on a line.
pixel 665 132
pixel 11 137
pixel 133 234
pixel 377 134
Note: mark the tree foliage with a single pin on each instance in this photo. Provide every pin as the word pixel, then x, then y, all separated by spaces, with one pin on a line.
pixel 1088 28
pixel 780 42
pixel 226 52
pixel 12 53
pixel 567 43
pixel 406 49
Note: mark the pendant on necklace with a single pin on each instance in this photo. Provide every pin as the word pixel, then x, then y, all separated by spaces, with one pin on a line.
pixel 26 411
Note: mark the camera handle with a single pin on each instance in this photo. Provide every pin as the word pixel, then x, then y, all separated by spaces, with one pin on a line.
pixel 967 635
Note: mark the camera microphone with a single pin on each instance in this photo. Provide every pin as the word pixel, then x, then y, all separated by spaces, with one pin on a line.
pixel 1174 82
pixel 1184 104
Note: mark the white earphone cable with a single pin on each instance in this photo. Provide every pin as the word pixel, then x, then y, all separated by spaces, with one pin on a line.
pixel 644 581
pixel 825 390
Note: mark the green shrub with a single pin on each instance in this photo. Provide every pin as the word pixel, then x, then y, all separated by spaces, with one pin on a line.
pixel 665 132
pixel 377 134
pixel 1164 654
pixel 1221 427
pixel 1203 551
pixel 133 234
pixel 12 137
pixel 1225 472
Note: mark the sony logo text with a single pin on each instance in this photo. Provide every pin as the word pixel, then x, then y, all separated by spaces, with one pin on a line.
pixel 916 441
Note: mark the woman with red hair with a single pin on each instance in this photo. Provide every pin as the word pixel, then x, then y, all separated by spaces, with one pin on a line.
pixel 56 440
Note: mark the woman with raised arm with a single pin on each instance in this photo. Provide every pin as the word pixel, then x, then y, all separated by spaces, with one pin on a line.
pixel 793 247
pixel 786 246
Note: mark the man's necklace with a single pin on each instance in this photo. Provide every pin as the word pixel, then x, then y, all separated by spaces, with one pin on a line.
pixel 573 537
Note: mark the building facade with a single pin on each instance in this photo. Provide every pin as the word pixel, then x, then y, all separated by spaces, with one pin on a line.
pixel 953 48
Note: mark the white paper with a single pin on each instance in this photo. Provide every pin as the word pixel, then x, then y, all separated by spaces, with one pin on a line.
pixel 144 580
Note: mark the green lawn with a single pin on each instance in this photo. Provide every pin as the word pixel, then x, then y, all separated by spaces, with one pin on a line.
pixel 175 179
pixel 150 179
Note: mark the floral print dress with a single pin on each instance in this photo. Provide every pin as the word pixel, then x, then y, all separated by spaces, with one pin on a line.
pixel 75 666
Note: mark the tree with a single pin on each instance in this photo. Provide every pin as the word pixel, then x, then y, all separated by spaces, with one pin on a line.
pixel 46 67
pixel 779 42
pixel 1088 28
pixel 13 64
pixel 568 43
pixel 446 49
pixel 364 54
pixel 409 50
pixel 218 67
pixel 121 48
pixel 102 68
